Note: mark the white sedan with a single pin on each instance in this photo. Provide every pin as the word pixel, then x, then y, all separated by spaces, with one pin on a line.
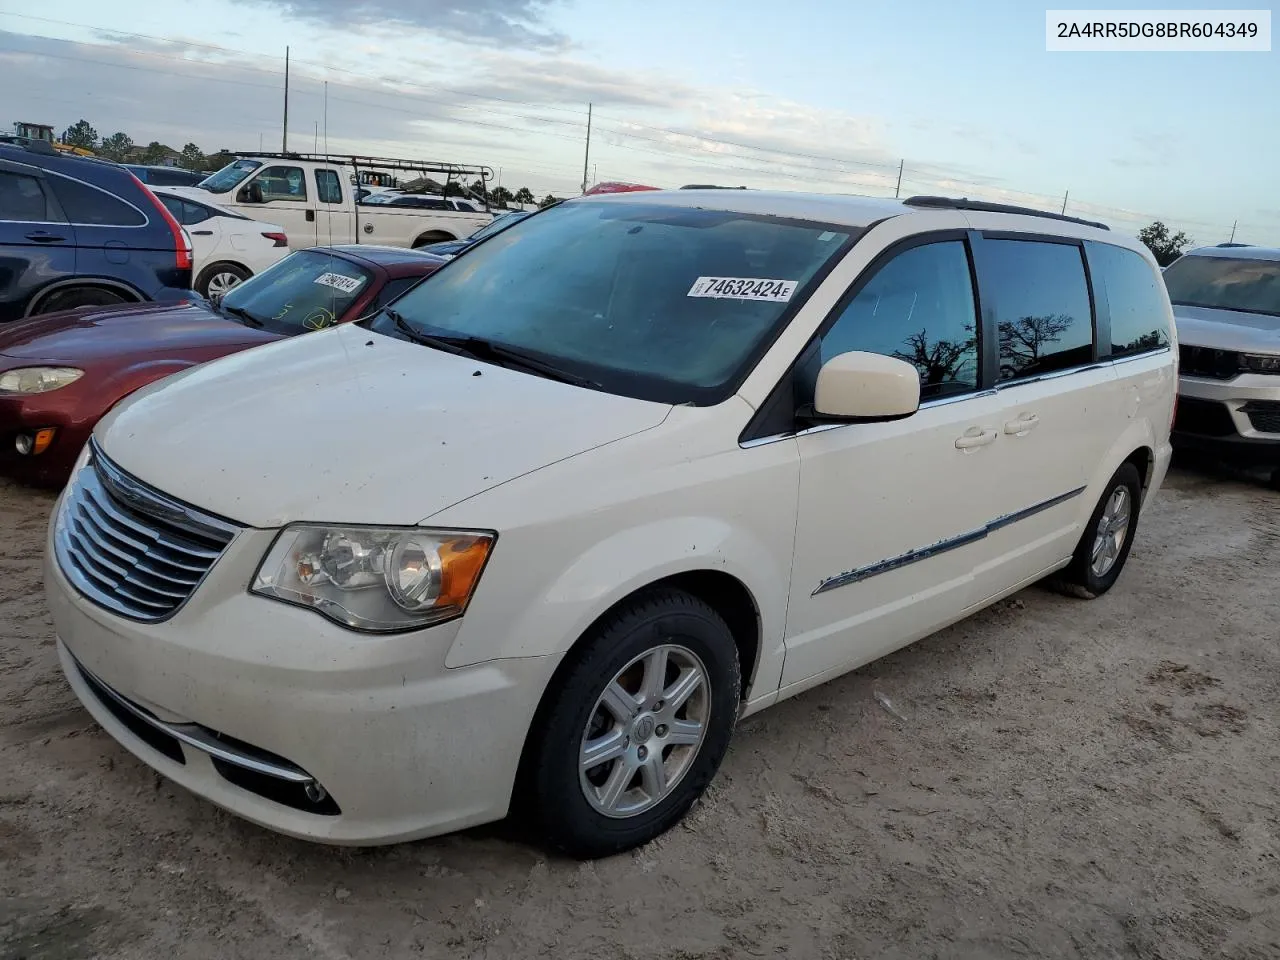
pixel 227 248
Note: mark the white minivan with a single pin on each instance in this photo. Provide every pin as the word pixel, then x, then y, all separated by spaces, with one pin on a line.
pixel 536 535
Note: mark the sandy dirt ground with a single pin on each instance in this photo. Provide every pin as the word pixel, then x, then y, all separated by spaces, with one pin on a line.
pixel 1052 778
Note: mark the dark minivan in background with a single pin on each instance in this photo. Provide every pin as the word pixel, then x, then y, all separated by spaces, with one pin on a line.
pixel 76 232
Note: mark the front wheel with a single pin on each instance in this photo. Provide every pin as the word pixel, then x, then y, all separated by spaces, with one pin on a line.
pixel 636 727
pixel 1104 546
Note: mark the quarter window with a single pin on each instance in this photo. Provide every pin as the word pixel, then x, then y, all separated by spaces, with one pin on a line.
pixel 919 308
pixel 21 199
pixel 283 183
pixel 194 212
pixel 328 187
pixel 88 205
pixel 1040 297
pixel 1136 299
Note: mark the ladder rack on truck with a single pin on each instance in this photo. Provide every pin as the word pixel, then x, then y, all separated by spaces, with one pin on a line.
pixel 451 171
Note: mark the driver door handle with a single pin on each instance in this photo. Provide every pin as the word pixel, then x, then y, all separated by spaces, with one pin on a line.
pixel 1023 425
pixel 975 437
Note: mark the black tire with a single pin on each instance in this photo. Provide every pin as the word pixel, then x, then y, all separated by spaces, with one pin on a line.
pixel 560 809
pixel 1079 578
pixel 78 297
pixel 219 269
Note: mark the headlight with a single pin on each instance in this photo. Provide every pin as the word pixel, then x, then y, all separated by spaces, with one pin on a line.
pixel 38 379
pixel 1260 363
pixel 378 579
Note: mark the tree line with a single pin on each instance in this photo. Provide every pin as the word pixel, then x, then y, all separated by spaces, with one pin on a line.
pixel 121 148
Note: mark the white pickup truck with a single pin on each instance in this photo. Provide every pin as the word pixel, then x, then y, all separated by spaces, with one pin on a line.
pixel 313 198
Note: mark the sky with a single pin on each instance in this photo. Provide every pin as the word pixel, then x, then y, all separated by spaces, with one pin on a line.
pixel 807 95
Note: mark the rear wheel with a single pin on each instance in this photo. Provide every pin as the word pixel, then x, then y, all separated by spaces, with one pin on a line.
pixel 78 297
pixel 218 279
pixel 635 729
pixel 1104 546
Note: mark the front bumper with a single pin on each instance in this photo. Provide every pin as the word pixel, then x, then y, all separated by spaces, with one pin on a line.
pixel 28 413
pixel 1237 419
pixel 400 746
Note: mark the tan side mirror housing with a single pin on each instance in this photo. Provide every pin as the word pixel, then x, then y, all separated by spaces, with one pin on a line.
pixel 862 387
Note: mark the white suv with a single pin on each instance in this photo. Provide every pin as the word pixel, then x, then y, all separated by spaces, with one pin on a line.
pixel 1226 303
pixel 542 530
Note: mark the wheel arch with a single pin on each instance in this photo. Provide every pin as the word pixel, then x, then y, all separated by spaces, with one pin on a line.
pixel 432 236
pixel 80 283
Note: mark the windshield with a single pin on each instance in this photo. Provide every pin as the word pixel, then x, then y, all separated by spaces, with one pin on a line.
pixel 307 290
pixel 1225 283
pixel 497 225
pixel 658 302
pixel 229 177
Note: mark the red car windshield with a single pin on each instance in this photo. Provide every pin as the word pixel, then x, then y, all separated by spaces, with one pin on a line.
pixel 307 290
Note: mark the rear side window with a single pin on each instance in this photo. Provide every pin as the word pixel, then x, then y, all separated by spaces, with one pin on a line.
pixel 918 307
pixel 390 290
pixel 328 187
pixel 1040 298
pixel 21 199
pixel 1135 297
pixel 194 213
pixel 89 205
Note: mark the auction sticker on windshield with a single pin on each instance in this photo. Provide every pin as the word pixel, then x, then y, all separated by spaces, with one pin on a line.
pixel 339 282
pixel 743 288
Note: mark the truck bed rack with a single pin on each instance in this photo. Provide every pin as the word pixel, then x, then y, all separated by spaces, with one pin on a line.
pixel 451 170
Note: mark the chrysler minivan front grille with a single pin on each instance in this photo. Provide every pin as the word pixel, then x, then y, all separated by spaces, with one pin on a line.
pixel 129 548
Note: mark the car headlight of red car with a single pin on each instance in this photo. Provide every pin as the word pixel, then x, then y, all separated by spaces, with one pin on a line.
pixel 38 379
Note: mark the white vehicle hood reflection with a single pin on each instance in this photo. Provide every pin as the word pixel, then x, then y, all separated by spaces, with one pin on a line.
pixel 348 426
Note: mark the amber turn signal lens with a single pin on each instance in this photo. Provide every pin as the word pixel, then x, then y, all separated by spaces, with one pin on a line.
pixel 461 561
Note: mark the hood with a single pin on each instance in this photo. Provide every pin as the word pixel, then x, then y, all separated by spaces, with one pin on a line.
pixel 126 331
pixel 349 426
pixel 1227 329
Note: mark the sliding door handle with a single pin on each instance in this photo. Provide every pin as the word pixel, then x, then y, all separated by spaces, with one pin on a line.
pixel 975 437
pixel 1023 425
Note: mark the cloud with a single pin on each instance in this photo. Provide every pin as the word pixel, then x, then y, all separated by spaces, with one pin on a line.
pixel 519 22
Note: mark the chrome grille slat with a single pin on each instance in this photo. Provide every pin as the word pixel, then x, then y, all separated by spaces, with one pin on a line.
pixel 131 549
pixel 157 538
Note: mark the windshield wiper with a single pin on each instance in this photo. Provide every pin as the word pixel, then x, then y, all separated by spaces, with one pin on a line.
pixel 241 314
pixel 478 348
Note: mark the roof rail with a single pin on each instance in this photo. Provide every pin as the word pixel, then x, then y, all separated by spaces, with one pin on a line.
pixel 384 163
pixel 708 186
pixel 951 203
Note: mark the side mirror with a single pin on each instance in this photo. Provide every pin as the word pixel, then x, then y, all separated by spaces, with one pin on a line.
pixel 251 193
pixel 861 387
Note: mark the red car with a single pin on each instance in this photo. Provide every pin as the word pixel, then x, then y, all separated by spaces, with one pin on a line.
pixel 61 372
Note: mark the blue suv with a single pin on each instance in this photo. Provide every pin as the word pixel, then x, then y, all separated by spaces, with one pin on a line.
pixel 79 232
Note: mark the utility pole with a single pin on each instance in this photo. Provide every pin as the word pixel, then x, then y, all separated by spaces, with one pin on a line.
pixel 898 189
pixel 284 143
pixel 1233 231
pixel 1064 201
pixel 586 157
